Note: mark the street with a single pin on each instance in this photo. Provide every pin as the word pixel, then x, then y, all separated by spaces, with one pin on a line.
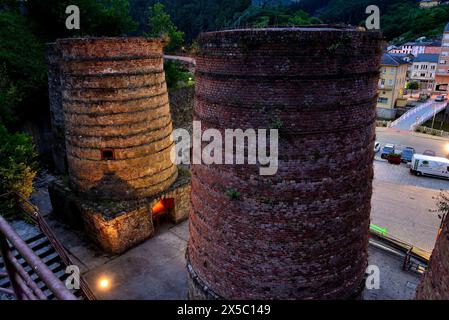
pixel 419 115
pixel 403 203
pixel 420 142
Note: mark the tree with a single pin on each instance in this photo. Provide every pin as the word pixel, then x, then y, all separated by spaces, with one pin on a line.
pixel 10 97
pixel 412 85
pixel 23 72
pixel 98 18
pixel 176 75
pixel 17 168
pixel 261 17
pixel 194 16
pixel 161 25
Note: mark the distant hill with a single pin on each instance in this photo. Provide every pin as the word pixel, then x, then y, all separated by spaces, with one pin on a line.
pixel 273 2
pixel 401 20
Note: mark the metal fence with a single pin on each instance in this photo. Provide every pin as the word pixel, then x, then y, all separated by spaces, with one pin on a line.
pixel 434 132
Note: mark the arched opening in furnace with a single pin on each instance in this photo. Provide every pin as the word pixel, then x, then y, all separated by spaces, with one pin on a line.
pixel 162 210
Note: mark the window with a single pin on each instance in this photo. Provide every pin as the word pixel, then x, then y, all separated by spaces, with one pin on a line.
pixel 390 82
pixel 382 100
pixel 107 154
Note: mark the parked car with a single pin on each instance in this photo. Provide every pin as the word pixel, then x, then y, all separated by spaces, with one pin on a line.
pixel 440 98
pixel 407 154
pixel 377 147
pixel 429 153
pixel 394 158
pixel 423 97
pixel 387 150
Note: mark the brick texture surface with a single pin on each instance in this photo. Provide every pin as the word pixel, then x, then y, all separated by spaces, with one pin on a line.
pixel 115 97
pixel 302 233
pixel 110 94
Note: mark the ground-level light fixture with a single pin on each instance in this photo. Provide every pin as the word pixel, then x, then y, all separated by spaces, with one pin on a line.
pixel 104 283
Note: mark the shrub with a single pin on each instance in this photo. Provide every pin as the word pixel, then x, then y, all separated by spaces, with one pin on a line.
pixel 233 194
pixel 17 168
pixel 177 76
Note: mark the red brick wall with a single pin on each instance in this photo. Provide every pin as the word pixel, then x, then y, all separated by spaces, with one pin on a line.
pixel 303 233
pixel 435 284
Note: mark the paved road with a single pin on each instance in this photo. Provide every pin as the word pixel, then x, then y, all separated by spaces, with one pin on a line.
pixel 405 210
pixel 418 115
pixel 418 141
pixel 402 202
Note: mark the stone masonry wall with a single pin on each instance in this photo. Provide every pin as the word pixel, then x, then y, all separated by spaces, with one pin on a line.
pixel 302 233
pixel 56 111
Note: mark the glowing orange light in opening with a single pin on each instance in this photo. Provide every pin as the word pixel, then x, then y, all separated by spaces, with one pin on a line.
pixel 163 206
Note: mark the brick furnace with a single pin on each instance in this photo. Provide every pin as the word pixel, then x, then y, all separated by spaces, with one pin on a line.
pixel 302 233
pixel 118 140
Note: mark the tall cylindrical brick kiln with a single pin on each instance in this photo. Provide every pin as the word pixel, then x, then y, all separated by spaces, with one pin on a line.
pixel 302 233
pixel 118 139
pixel 117 117
pixel 435 284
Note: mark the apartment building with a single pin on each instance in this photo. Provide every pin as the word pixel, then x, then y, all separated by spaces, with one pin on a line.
pixel 393 78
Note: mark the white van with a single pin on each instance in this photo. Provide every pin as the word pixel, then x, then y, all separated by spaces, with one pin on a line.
pixel 430 166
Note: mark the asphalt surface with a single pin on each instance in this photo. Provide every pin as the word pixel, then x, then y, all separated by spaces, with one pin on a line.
pixel 403 203
pixel 418 115
pixel 420 142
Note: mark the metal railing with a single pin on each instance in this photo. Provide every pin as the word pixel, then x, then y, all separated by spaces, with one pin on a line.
pixel 24 288
pixel 434 132
pixel 23 285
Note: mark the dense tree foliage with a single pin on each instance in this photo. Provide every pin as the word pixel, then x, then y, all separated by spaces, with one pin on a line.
pixel 177 76
pixel 25 26
pixel 261 17
pixel 98 18
pixel 192 16
pixel 161 25
pixel 353 11
pixel 17 168
pixel 22 69
pixel 404 22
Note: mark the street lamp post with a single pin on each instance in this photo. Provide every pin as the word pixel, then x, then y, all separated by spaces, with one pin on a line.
pixel 434 115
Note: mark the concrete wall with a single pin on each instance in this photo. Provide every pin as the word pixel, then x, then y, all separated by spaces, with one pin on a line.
pixel 386 113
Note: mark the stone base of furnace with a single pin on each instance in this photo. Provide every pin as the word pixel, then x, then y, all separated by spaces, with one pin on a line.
pixel 200 290
pixel 117 226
